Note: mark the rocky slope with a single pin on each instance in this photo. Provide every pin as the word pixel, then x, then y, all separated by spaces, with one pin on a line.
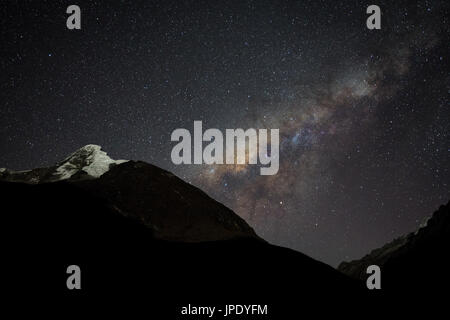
pixel 172 209
pixel 416 261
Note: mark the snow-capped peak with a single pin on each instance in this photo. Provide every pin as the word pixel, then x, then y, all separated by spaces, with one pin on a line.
pixel 90 159
pixel 87 162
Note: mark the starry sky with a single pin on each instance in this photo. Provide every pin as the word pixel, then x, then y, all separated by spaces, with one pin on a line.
pixel 363 114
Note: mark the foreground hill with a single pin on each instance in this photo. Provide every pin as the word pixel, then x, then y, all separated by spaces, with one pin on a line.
pixel 139 233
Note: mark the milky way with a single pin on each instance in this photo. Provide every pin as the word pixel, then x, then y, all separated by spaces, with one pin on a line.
pixel 363 114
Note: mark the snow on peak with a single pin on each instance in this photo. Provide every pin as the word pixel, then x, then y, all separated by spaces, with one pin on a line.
pixel 87 162
pixel 90 159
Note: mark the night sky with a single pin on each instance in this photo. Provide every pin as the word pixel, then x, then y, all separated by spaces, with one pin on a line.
pixel 363 114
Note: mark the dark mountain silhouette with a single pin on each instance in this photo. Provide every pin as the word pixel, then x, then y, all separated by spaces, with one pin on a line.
pixel 141 234
pixel 414 264
pixel 172 209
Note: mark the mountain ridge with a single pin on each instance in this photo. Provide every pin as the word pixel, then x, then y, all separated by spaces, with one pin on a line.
pixel 145 192
pixel 138 232
pixel 419 258
pixel 137 229
pixel 87 162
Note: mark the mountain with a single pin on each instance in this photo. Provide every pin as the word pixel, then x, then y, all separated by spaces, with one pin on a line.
pixel 414 263
pixel 87 162
pixel 144 192
pixel 140 233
